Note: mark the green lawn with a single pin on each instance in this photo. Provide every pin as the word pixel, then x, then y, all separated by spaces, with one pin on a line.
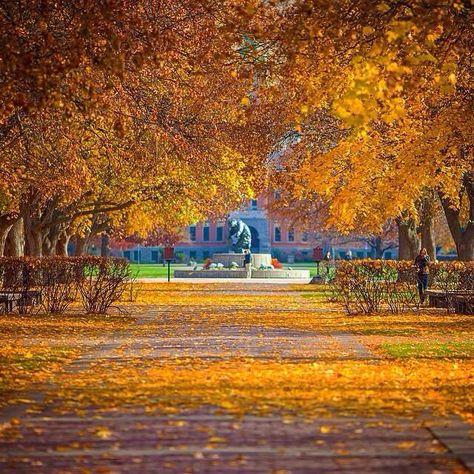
pixel 435 350
pixel 153 270
pixel 156 270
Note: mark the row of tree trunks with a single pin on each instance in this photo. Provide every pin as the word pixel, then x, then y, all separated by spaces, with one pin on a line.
pixel 19 236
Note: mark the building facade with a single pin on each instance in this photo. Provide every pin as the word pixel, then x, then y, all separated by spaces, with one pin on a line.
pixel 269 235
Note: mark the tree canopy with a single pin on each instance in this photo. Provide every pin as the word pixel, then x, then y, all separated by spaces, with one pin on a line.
pixel 136 115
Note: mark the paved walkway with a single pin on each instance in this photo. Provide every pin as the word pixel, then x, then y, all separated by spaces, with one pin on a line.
pixel 128 439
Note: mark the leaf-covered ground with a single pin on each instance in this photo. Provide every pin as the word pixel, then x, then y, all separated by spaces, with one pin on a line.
pixel 238 378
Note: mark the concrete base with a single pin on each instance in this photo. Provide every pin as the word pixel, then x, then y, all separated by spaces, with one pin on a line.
pixel 227 258
pixel 241 273
pixel 238 273
pixel 258 259
pixel 286 274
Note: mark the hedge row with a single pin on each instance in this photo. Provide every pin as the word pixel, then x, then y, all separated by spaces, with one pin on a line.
pixel 368 286
pixel 58 281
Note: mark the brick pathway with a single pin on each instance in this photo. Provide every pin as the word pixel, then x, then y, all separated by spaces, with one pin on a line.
pixel 130 440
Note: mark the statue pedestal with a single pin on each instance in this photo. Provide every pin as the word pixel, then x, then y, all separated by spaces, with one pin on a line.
pixel 258 259
pixel 227 258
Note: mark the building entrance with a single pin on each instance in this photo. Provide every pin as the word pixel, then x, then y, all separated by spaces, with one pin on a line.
pixel 255 240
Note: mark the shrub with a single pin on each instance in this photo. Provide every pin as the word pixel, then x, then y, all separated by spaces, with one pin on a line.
pixel 103 282
pixel 368 286
pixel 58 283
pixel 56 280
pixel 359 287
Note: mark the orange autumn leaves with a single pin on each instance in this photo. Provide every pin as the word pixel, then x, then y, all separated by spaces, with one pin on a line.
pixel 417 361
pixel 246 386
pixel 243 358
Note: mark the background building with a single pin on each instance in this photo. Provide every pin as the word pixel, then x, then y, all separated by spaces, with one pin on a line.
pixel 269 235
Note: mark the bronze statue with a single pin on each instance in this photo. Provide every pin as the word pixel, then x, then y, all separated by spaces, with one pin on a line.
pixel 240 236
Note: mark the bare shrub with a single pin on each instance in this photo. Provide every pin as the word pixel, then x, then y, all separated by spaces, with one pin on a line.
pixel 103 282
pixel 59 278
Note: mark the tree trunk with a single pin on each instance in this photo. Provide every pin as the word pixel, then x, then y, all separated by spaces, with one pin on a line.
pixel 408 241
pixel 50 242
pixel 466 250
pixel 34 240
pixel 104 245
pixel 16 240
pixel 378 248
pixel 80 245
pixel 5 226
pixel 428 239
pixel 463 235
pixel 62 245
pixel 33 234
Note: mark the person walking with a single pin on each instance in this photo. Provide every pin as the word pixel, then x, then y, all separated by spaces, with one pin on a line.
pixel 327 261
pixel 248 263
pixel 422 262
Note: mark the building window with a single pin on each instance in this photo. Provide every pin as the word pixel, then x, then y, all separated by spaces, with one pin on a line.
pixel 192 233
pixel 291 235
pixel 205 232
pixel 127 254
pixel 192 255
pixel 205 254
pixel 277 233
pixel 304 237
pixel 253 204
pixel 219 233
pixel 154 255
pixel 277 195
pixel 136 254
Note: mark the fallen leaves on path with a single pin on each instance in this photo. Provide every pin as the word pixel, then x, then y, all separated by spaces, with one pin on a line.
pixel 246 351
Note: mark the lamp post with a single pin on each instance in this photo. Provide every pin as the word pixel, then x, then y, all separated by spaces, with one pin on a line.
pixel 168 254
pixel 318 258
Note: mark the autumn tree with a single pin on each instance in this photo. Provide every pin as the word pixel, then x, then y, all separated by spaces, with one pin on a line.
pixel 124 136
pixel 397 77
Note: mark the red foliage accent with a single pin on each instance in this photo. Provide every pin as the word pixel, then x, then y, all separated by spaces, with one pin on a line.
pixel 276 263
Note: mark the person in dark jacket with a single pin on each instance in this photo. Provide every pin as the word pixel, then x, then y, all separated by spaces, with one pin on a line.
pixel 422 263
pixel 248 263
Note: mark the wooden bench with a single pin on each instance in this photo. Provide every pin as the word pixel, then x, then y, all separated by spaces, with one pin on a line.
pixel 459 300
pixel 463 304
pixel 11 299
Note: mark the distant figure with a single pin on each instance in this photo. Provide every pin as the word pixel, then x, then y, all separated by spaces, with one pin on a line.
pixel 349 255
pixel 327 260
pixel 422 262
pixel 248 263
